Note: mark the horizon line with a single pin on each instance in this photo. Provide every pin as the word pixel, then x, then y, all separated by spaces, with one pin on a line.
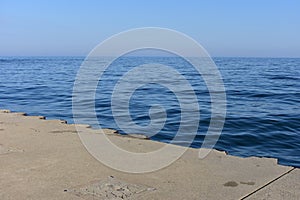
pixel 148 56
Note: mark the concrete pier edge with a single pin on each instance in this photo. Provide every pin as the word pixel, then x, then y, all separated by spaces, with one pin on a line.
pixel 264 179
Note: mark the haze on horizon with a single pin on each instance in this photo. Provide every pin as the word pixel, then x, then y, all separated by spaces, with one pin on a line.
pixel 224 28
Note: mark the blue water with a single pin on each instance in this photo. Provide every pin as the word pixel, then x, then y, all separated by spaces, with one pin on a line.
pixel 263 99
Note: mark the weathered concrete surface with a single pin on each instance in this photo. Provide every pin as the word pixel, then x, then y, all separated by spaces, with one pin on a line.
pixel 286 187
pixel 45 159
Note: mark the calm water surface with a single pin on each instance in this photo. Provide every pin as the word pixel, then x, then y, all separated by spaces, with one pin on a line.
pixel 263 99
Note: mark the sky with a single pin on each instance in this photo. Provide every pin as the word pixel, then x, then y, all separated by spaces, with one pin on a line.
pixel 249 28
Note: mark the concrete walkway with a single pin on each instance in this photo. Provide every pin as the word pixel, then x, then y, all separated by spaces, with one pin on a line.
pixel 45 159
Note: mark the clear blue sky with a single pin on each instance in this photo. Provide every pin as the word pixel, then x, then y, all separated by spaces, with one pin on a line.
pixel 225 28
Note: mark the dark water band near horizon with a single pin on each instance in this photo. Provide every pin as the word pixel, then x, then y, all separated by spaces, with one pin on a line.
pixel 263 99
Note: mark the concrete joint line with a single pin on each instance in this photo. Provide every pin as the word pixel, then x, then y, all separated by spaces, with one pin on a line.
pixel 269 183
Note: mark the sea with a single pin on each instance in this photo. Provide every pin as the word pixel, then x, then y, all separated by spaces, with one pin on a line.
pixel 262 99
